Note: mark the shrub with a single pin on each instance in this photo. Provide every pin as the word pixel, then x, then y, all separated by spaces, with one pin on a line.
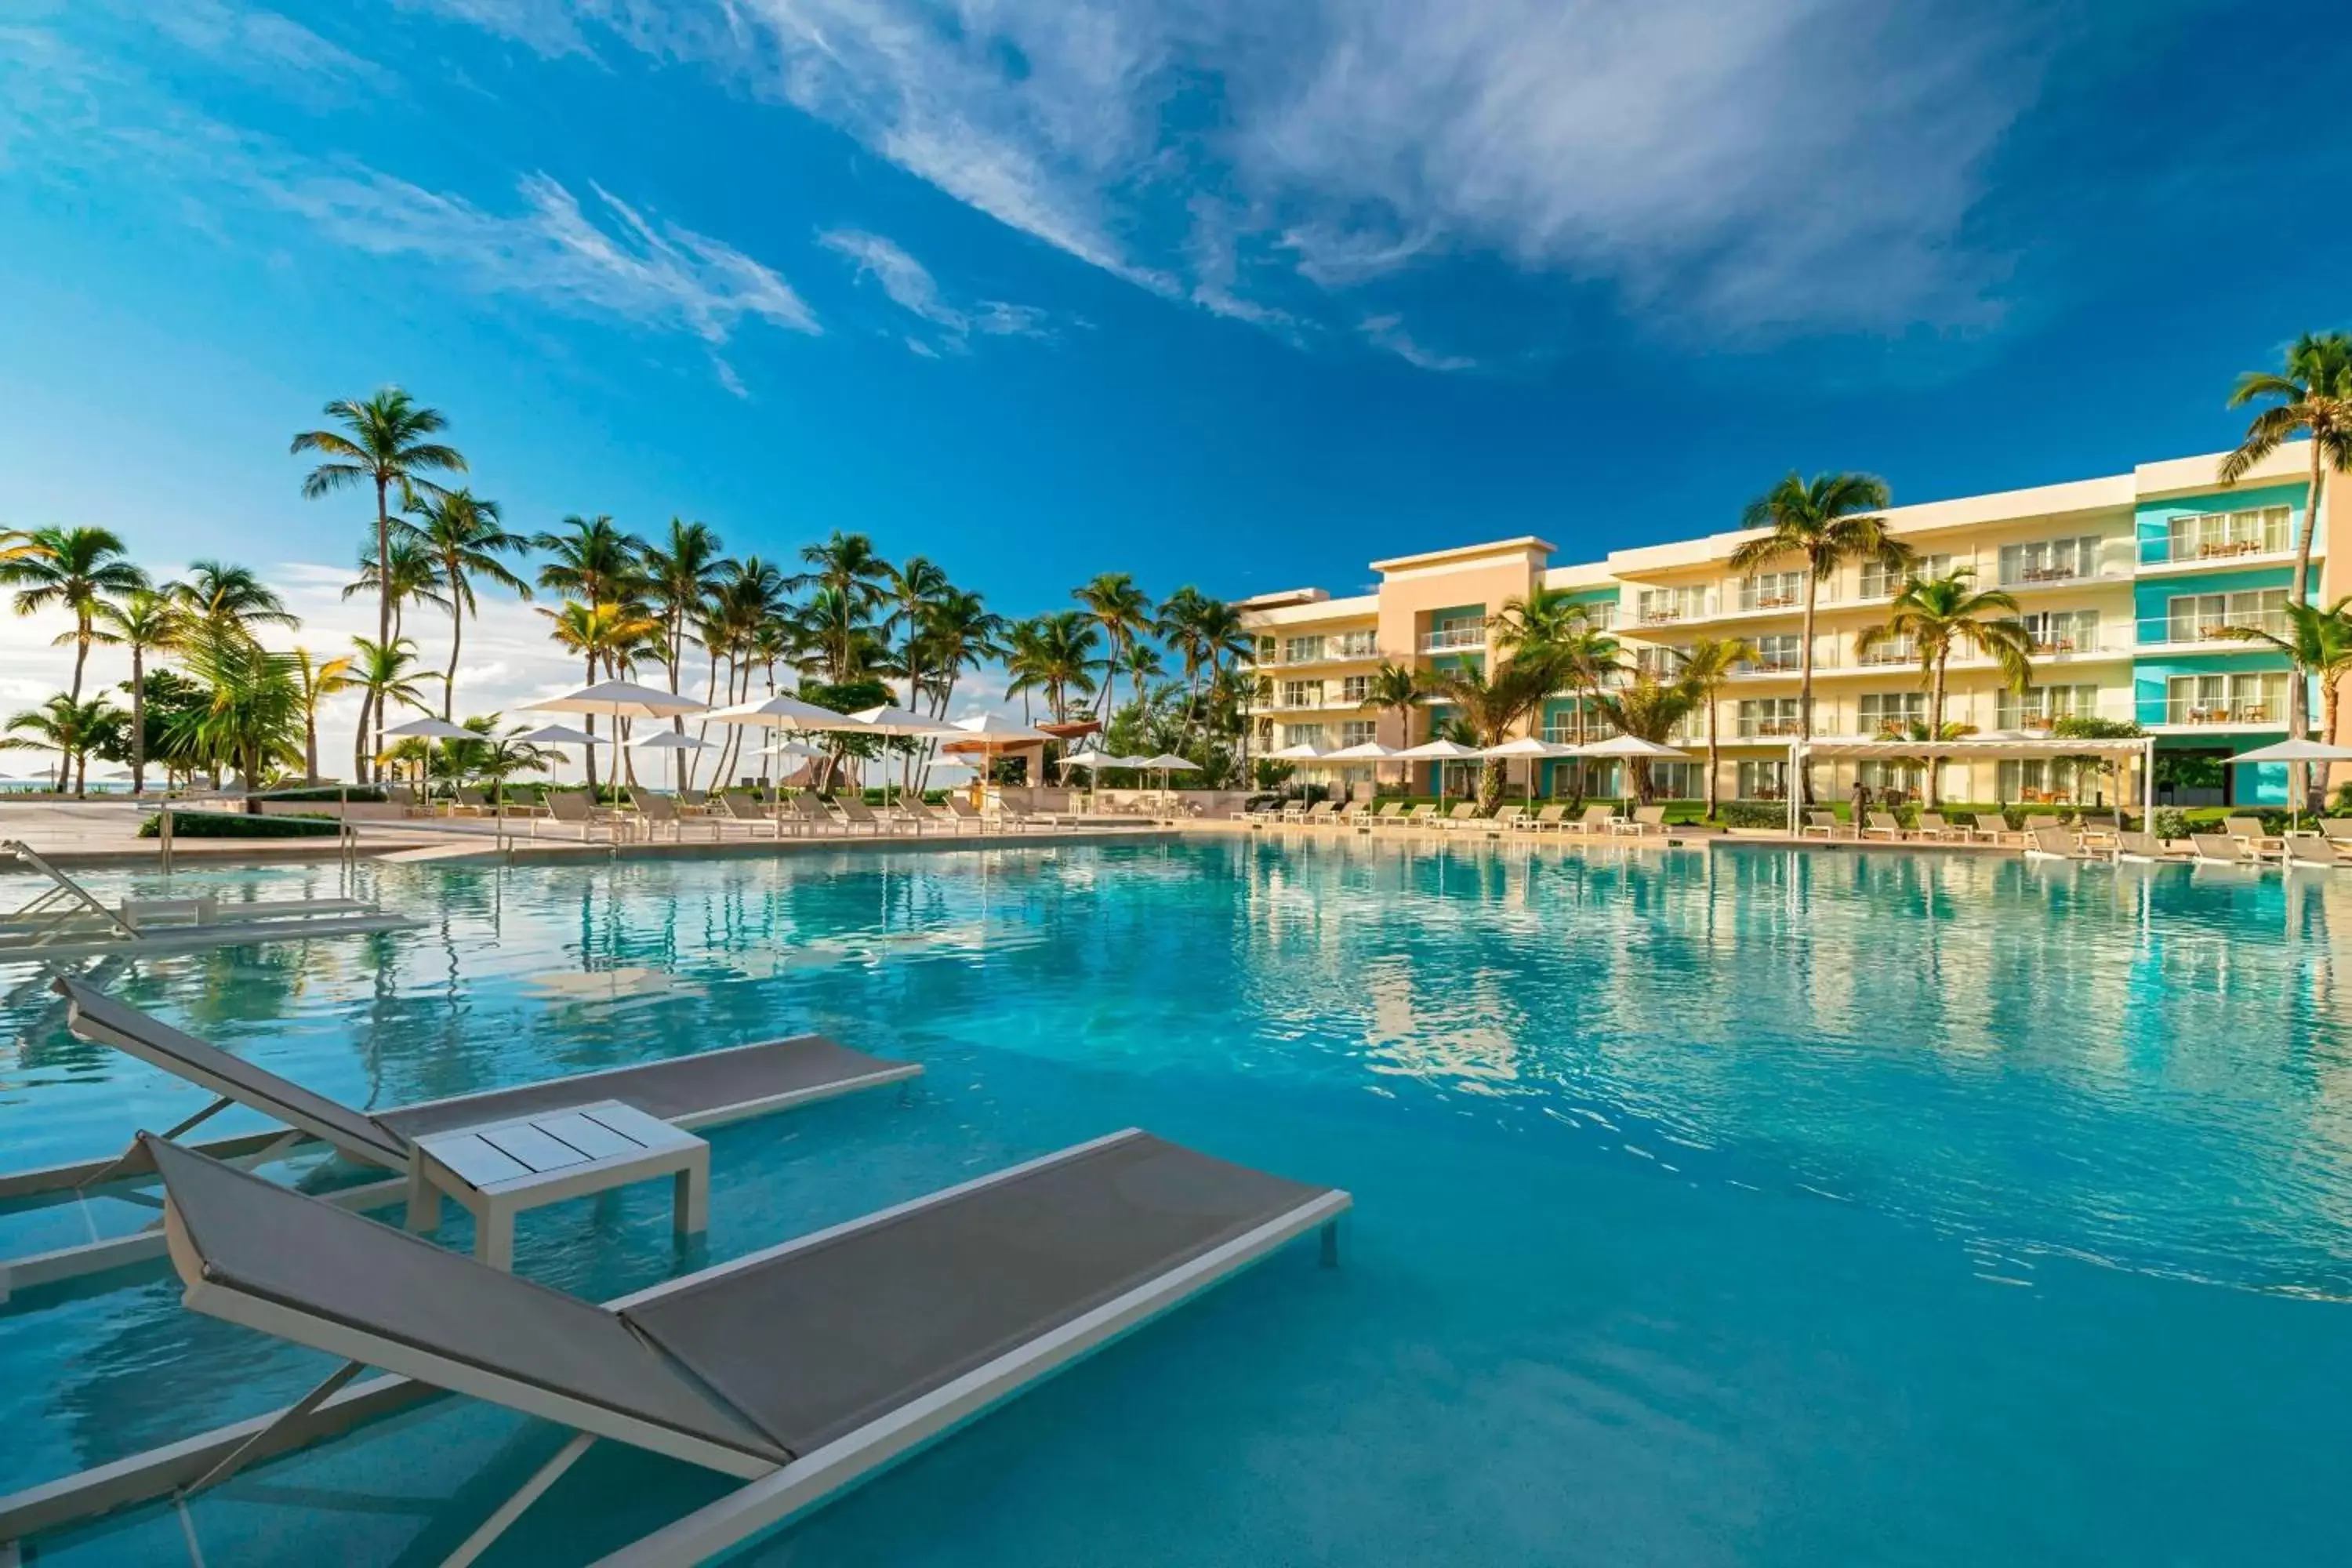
pixel 1753 813
pixel 2171 823
pixel 226 825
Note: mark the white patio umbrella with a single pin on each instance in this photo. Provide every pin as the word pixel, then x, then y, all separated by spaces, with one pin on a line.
pixel 1441 753
pixel 620 700
pixel 433 730
pixel 2293 752
pixel 668 741
pixel 1302 751
pixel 1628 748
pixel 557 735
pixel 1165 763
pixel 992 734
pixel 1532 750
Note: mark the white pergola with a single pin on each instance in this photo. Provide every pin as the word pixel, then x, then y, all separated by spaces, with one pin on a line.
pixel 1973 748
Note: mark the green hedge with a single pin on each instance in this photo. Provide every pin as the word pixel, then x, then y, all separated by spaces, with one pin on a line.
pixel 224 825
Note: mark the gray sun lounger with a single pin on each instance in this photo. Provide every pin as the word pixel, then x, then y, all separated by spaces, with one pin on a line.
pixel 705 1089
pixel 797 1371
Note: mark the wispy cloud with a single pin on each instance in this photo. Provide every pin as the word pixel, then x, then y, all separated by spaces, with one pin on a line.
pixel 1388 333
pixel 1751 170
pixel 589 253
pixel 604 256
pixel 908 285
pixel 258 44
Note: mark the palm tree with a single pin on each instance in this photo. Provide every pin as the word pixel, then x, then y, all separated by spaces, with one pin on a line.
pixel 595 559
pixel 143 619
pixel 1650 709
pixel 602 635
pixel 316 680
pixel 414 575
pixel 493 758
pixel 71 568
pixel 1706 665
pixel 386 673
pixel 2314 398
pixel 1124 613
pixel 1397 688
pixel 1829 521
pixel 67 727
pixel 1053 654
pixel 1940 616
pixel 253 718
pixel 1493 705
pixel 960 633
pixel 229 599
pixel 851 580
pixel 382 443
pixel 2318 644
pixel 464 538
pixel 914 587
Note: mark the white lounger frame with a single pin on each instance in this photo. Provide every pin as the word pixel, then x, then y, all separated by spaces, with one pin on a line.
pixel 773 1493
pixel 118 1252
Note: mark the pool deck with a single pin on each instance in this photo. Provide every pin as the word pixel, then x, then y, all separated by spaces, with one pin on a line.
pixel 105 835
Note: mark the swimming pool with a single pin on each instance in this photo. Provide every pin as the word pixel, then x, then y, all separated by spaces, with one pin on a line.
pixel 1749 1206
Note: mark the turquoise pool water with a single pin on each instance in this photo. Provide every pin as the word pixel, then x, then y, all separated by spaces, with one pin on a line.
pixel 1756 1207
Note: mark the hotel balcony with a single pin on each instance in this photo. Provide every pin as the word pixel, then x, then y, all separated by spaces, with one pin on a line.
pixel 2189 713
pixel 2209 633
pixel 1336 650
pixel 1454 639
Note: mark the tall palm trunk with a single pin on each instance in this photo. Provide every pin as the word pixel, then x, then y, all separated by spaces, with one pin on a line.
pixel 360 753
pixel 1714 757
pixel 2303 777
pixel 382 600
pixel 1936 731
pixel 456 640
pixel 81 649
pixel 138 720
pixel 1805 688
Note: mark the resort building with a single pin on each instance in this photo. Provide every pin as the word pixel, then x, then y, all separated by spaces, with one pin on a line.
pixel 2125 582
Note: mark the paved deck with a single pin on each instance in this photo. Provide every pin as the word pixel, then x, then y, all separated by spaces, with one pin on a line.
pixel 106 833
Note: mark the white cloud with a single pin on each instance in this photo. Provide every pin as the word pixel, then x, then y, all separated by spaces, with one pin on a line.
pixel 910 286
pixel 608 259
pixel 259 45
pixel 1751 169
pixel 509 658
pixel 1388 333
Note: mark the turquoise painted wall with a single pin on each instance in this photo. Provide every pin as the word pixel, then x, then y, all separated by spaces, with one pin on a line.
pixel 2150 595
pixel 2151 518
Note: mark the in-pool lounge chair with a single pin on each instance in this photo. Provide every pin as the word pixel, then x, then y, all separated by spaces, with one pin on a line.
pixel 2305 852
pixel 2248 831
pixel 2148 849
pixel 1646 821
pixel 2221 849
pixel 2053 844
pixel 573 808
pixel 705 1089
pixel 796 1370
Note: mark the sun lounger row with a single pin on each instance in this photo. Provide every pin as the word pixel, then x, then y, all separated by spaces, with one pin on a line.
pixel 796 1371
pixel 1465 817
pixel 654 815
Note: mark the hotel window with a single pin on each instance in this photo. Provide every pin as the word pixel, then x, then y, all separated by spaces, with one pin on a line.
pixel 1772 591
pixel 1356 688
pixel 1603 613
pixel 1677 781
pixel 1356 645
pixel 1763 781
pixel 1657 605
pixel 2200 617
pixel 1302 734
pixel 2218 535
pixel 1659 663
pixel 1892 712
pixel 2064 631
pixel 1264 654
pixel 1765 716
pixel 2049 560
pixel 1302 694
pixel 1880 581
pixel 1890 650
pixel 1782 653
pixel 2031 779
pixel 2041 706
pixel 1881 775
pixel 2253 697
pixel 1357 731
pixel 1301 650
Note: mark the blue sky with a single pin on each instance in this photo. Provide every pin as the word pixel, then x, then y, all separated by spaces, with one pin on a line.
pixel 1219 292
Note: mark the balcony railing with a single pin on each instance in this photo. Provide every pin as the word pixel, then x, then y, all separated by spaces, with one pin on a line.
pixel 2026 576
pixel 2190 711
pixel 2193 628
pixel 1449 639
pixel 1889 653
pixel 1666 613
pixel 2169 551
pixel 1767 729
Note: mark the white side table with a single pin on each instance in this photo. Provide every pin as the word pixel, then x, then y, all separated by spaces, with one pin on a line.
pixel 499 1169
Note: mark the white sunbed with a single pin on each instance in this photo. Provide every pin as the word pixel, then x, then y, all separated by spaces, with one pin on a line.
pixel 796 1370
pixel 705 1089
